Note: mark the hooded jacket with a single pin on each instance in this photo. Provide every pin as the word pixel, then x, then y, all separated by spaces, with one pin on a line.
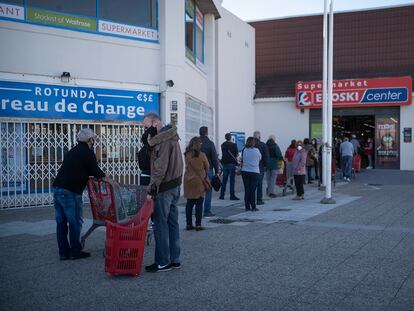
pixel 166 160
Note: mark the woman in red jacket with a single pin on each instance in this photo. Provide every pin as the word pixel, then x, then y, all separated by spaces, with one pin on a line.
pixel 290 152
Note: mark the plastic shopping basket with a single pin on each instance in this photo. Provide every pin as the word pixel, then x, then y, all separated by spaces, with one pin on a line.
pixel 112 202
pixel 125 242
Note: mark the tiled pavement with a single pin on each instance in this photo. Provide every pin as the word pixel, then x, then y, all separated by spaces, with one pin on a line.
pixel 354 255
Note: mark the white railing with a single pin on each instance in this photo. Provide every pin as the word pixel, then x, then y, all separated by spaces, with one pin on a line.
pixel 32 152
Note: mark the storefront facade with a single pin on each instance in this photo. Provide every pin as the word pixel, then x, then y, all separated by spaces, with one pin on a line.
pixel 68 65
pixel 372 91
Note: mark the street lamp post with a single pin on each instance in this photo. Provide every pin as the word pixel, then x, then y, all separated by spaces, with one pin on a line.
pixel 324 94
pixel 328 144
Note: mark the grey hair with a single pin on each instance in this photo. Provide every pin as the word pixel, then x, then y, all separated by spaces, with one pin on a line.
pixel 152 116
pixel 85 135
pixel 256 134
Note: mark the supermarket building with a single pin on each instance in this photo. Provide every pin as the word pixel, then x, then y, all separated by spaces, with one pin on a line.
pixel 373 70
pixel 105 64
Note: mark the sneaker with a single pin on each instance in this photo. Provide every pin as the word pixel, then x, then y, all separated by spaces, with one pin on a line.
pixel 209 214
pixel 157 268
pixel 64 257
pixel 189 227
pixel 260 203
pixel 176 265
pixel 199 228
pixel 348 179
pixel 345 178
pixel 81 255
pixel 221 197
pixel 234 198
pixel 255 209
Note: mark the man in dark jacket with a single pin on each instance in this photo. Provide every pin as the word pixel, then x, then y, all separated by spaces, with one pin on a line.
pixel 79 163
pixel 262 165
pixel 165 183
pixel 209 149
pixel 229 155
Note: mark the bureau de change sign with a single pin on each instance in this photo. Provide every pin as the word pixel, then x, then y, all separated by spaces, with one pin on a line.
pixel 357 93
pixel 30 100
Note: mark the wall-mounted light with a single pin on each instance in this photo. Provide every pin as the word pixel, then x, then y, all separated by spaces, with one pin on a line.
pixel 65 77
pixel 170 83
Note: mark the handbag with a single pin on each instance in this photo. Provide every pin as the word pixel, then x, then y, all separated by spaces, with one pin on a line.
pixel 216 183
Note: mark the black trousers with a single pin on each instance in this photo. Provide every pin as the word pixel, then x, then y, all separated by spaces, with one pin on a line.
pixel 250 181
pixel 299 181
pixel 198 211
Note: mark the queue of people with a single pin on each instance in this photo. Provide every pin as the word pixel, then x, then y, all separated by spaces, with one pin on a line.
pixel 164 171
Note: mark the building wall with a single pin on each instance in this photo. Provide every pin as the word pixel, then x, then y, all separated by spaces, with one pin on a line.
pixel 42 53
pixel 406 149
pixel 280 117
pixel 235 75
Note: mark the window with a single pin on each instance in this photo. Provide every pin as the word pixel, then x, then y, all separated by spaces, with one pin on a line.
pixel 79 7
pixel 194 32
pixel 137 13
pixel 136 19
pixel 13 2
pixel 197 115
pixel 189 29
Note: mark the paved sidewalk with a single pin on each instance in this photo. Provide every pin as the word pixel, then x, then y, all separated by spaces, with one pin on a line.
pixel 291 255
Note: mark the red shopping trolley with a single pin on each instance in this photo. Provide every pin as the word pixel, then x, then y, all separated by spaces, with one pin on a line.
pixel 125 242
pixel 111 202
pixel 282 181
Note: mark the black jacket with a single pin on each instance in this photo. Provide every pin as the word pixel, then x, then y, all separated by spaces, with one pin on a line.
pixel 209 149
pixel 79 163
pixel 229 152
pixel 264 151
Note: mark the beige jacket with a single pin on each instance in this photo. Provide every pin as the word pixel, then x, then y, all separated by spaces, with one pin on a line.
pixel 195 171
pixel 166 160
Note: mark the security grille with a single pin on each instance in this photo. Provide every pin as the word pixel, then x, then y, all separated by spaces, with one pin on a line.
pixel 32 152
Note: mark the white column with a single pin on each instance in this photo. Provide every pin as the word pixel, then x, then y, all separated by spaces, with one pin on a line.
pixel 328 191
pixel 324 91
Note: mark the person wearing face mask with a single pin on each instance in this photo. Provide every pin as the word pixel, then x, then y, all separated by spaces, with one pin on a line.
pixel 79 163
pixel 144 156
pixel 299 169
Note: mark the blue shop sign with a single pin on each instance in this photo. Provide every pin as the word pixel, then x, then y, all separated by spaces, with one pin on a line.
pixel 30 100
pixel 239 139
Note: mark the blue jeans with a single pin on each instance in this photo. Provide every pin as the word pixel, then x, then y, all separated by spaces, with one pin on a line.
pixel 166 228
pixel 207 199
pixel 250 182
pixel 68 210
pixel 228 169
pixel 260 187
pixel 346 166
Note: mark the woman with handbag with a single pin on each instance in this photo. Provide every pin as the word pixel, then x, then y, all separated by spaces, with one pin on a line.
pixel 250 170
pixel 196 182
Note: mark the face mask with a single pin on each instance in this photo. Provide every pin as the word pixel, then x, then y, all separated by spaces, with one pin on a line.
pixel 299 148
pixel 152 130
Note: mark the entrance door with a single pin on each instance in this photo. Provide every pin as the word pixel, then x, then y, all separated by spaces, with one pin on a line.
pixel 379 123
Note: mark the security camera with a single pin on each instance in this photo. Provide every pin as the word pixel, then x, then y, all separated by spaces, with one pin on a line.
pixel 170 83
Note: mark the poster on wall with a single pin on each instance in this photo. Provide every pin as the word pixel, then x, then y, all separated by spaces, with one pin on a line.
pixel 239 139
pixel 13 159
pixel 386 141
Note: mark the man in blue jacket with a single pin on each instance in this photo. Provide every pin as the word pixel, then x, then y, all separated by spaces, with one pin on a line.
pixel 262 165
pixel 209 149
